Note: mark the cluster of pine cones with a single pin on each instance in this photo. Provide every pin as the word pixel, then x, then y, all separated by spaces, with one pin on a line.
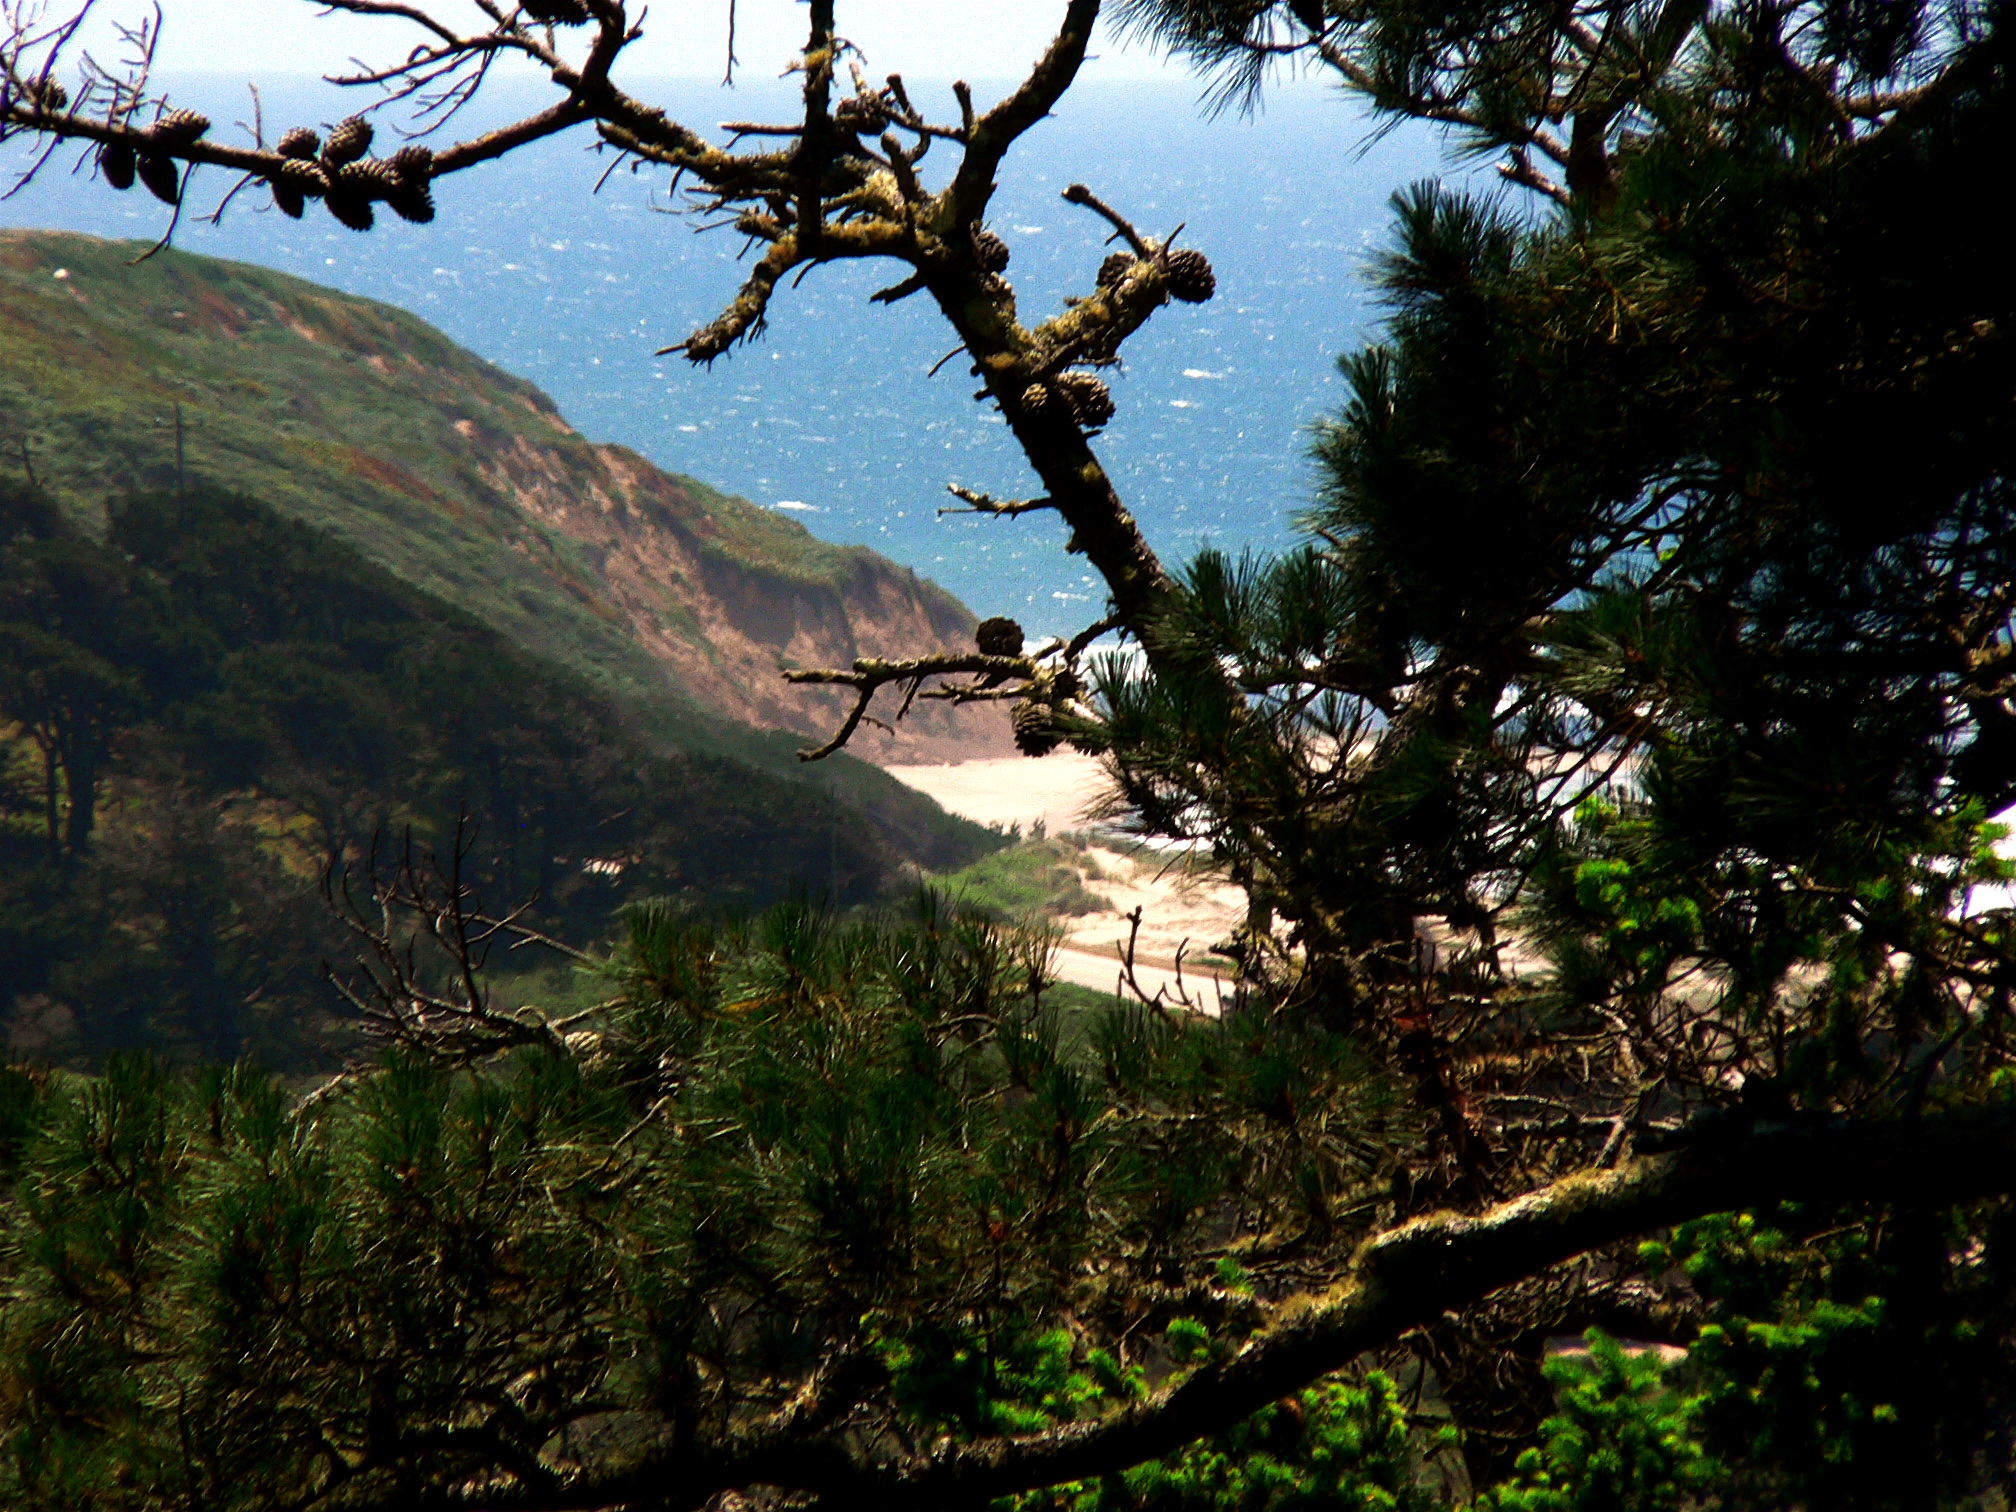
pixel 339 172
pixel 153 163
pixel 1034 717
pixel 1189 273
pixel 1084 398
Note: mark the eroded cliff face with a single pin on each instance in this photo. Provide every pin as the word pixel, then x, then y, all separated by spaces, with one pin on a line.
pixel 366 422
pixel 726 615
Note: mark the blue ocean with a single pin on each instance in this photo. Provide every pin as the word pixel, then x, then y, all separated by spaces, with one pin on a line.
pixel 831 416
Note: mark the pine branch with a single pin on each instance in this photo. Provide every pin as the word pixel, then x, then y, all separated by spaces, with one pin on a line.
pixel 870 675
pixel 1397 1281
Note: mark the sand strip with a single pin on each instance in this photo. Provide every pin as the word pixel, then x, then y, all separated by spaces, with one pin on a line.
pixel 1182 910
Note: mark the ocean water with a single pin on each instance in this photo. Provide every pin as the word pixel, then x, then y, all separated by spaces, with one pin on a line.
pixel 831 416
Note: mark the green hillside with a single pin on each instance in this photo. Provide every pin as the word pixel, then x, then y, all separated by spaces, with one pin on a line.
pixel 352 416
pixel 362 421
pixel 334 615
pixel 202 710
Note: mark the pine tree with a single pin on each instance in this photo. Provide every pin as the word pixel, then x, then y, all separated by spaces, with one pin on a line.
pixel 1613 772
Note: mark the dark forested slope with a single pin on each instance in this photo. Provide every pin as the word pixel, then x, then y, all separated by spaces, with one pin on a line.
pixel 200 709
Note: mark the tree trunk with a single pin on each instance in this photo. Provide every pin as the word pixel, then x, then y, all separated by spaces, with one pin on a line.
pixel 80 771
pixel 50 810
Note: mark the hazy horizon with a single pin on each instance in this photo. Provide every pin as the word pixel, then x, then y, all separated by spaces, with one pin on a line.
pixel 923 39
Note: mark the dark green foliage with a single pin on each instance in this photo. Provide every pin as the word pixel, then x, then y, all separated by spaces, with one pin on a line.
pixel 785 1137
pixel 1852 1364
pixel 1621 750
pixel 246 698
pixel 1337 1445
pixel 199 1221
pixel 1568 93
pixel 1582 469
pixel 1340 1444
pixel 1618 758
pixel 1844 1364
pixel 328 668
pixel 790 1139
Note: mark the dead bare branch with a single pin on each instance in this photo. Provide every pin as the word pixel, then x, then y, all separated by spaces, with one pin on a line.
pixel 424 940
pixel 987 504
pixel 1078 194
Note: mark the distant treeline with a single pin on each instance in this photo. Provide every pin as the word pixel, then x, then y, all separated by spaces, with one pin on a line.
pixel 204 708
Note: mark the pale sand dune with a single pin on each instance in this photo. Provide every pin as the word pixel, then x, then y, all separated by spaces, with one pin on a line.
pixel 1182 907
pixel 1005 790
pixel 1207 991
pixel 1184 911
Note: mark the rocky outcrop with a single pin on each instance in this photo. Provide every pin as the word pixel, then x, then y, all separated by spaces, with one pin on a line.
pixel 726 612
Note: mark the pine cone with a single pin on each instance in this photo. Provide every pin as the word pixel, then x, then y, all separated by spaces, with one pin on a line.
pixel 1190 277
pixel 304 176
pixel 1091 402
pixel 1113 272
pixel 412 169
pixel 413 163
pixel 349 207
pixel 990 252
pixel 115 161
pixel 348 141
pixel 350 190
pixel 298 142
pixel 1036 398
pixel 998 636
pixel 290 200
pixel 47 94
pixel 1035 735
pixel 374 179
pixel 556 12
pixel 162 178
pixel 179 128
pixel 413 203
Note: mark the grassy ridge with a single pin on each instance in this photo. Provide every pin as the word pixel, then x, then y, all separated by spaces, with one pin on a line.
pixel 278 384
pixel 353 416
pixel 1038 878
pixel 364 422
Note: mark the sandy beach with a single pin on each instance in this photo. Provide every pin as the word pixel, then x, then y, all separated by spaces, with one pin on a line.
pixel 1185 910
pixel 1056 790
